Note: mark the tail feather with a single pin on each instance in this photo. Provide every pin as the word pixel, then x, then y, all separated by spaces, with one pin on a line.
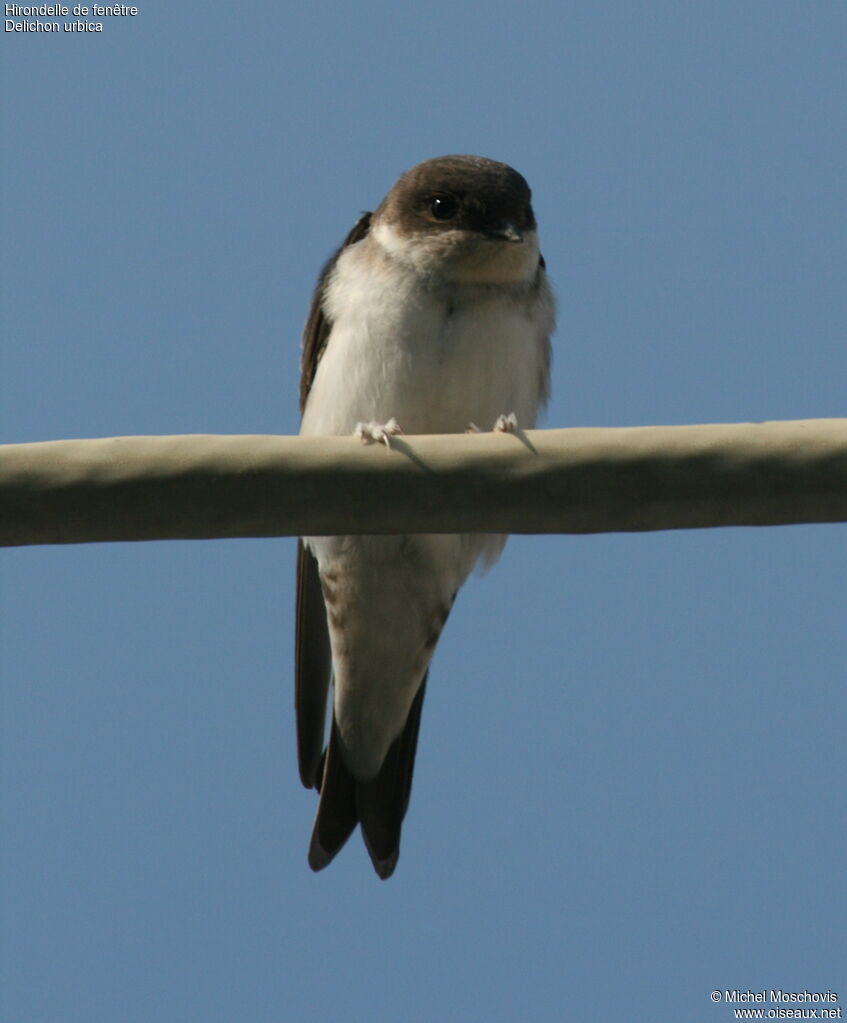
pixel 337 816
pixel 379 804
pixel 382 802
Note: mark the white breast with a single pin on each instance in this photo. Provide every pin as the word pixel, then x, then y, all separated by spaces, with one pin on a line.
pixel 434 357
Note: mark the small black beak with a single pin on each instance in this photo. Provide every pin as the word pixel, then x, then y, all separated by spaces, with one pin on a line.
pixel 505 233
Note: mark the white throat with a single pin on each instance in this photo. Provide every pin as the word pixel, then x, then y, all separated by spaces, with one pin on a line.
pixel 461 256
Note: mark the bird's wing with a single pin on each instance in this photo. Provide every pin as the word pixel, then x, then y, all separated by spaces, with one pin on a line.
pixel 312 657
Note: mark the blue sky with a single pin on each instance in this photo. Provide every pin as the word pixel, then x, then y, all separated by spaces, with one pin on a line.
pixel 629 788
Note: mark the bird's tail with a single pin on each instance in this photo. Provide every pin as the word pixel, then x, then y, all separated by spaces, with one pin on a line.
pixel 379 805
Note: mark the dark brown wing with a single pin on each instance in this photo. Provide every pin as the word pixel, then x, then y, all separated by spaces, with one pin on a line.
pixel 312 667
pixel 312 657
pixel 317 327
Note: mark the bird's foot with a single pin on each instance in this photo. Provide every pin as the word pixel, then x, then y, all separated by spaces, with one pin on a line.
pixel 381 433
pixel 503 424
pixel 506 424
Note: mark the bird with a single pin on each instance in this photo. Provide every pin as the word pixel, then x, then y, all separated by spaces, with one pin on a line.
pixel 434 315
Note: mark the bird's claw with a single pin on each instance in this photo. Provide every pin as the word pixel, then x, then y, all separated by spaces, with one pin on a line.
pixel 381 433
pixel 506 423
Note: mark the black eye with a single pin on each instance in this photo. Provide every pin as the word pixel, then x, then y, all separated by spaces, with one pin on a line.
pixel 443 207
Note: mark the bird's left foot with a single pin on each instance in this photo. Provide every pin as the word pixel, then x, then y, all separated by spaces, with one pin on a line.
pixel 506 424
pixel 379 432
